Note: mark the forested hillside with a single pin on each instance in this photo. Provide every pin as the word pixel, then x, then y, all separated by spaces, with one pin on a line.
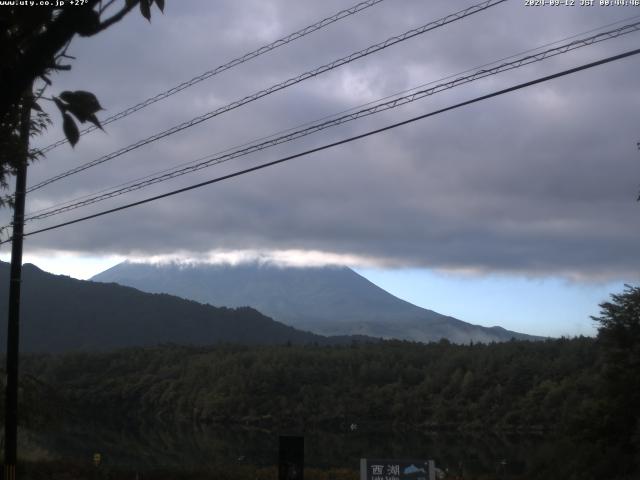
pixel 518 386
pixel 64 314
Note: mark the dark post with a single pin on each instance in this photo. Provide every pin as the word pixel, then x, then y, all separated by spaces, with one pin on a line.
pixel 291 461
pixel 13 324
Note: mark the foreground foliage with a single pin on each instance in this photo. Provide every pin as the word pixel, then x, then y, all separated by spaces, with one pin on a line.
pixel 33 46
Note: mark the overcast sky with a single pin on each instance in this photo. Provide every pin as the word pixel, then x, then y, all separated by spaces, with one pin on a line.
pixel 538 185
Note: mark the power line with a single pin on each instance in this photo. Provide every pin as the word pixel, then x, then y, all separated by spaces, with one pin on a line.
pixel 206 162
pixel 341 142
pixel 621 31
pixel 279 86
pixel 233 63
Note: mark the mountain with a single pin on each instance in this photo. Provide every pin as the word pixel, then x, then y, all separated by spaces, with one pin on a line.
pixel 59 313
pixel 324 300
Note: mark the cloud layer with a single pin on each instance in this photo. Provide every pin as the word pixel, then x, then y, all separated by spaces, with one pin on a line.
pixel 541 181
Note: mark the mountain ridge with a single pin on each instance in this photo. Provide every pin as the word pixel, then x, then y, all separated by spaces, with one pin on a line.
pixel 60 313
pixel 331 300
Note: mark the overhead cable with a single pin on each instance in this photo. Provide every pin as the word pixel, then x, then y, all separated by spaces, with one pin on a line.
pixel 341 142
pixel 373 109
pixel 277 87
pixel 233 63
pixel 326 117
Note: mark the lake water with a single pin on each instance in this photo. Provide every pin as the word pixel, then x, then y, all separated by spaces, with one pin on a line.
pixel 191 448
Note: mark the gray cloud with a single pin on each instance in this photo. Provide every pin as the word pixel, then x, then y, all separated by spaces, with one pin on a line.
pixel 539 181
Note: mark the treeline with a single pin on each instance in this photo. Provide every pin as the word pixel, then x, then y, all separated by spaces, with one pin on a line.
pixel 556 388
pixel 513 386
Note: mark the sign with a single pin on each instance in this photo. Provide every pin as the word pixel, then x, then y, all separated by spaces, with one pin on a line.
pixel 393 469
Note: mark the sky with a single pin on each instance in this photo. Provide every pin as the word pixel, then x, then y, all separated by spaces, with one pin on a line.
pixel 517 211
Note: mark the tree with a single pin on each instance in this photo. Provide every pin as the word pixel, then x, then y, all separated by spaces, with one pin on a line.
pixel 33 45
pixel 619 336
pixel 619 339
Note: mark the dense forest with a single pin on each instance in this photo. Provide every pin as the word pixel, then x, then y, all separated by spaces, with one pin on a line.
pixel 553 388
pixel 581 393
pixel 520 386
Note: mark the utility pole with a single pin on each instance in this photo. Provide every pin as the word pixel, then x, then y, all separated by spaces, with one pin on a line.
pixel 15 280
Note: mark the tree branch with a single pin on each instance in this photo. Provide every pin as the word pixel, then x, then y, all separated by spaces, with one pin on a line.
pixel 36 60
pixel 44 48
pixel 104 9
pixel 117 17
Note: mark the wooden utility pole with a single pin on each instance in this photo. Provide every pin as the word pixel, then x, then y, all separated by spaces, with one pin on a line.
pixel 15 280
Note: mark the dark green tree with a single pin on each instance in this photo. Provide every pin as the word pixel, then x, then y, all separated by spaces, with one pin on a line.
pixel 619 339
